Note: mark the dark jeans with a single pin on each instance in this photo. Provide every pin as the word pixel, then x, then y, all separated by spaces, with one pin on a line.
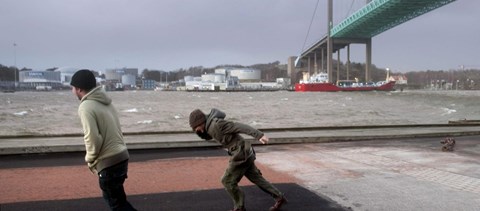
pixel 111 182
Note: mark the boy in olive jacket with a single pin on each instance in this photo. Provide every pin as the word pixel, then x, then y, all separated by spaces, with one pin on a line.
pixel 242 160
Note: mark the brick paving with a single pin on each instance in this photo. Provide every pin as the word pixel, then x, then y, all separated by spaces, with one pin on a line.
pixel 154 183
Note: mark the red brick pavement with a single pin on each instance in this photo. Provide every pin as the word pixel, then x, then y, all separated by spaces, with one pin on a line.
pixel 153 176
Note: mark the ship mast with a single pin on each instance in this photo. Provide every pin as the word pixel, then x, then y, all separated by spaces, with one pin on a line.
pixel 329 42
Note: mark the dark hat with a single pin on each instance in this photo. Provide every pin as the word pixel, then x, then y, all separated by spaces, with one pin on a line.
pixel 84 79
pixel 197 117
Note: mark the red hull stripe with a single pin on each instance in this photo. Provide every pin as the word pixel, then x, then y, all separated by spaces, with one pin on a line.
pixel 328 87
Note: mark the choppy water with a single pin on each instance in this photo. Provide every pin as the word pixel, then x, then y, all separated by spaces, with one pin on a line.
pixel 56 112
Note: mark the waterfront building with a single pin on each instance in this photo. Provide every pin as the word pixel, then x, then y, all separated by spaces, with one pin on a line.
pixel 39 80
pixel 148 84
pixel 66 74
pixel 115 75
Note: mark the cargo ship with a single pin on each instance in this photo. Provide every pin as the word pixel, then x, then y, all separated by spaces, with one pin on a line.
pixel 319 83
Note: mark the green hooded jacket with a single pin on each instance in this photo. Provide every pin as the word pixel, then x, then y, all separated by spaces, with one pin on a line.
pixel 103 136
pixel 227 133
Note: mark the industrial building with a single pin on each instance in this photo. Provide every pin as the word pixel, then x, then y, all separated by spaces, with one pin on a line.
pixel 117 73
pixel 243 74
pixel 66 74
pixel 121 78
pixel 246 74
pixel 39 80
pixel 148 84
pixel 232 79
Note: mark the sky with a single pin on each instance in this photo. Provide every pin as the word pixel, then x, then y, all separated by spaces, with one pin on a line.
pixel 172 34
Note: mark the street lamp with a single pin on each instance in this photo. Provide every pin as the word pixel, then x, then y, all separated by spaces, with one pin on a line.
pixel 15 66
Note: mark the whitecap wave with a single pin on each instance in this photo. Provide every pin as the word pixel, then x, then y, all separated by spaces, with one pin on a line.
pixel 21 113
pixel 133 110
pixel 145 122
pixel 448 111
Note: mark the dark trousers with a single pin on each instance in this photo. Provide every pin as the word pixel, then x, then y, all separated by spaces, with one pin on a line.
pixel 234 174
pixel 111 182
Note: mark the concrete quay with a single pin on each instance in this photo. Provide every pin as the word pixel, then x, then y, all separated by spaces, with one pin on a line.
pixel 181 139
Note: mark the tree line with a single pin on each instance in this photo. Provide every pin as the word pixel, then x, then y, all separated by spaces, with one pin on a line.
pixel 7 73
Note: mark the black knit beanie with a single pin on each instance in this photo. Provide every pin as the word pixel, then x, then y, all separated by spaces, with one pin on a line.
pixel 84 79
pixel 197 117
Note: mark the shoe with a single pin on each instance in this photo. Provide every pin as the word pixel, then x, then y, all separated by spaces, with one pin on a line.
pixel 278 203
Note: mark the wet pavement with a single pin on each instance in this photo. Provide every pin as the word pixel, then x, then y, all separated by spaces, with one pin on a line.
pixel 378 173
pixel 403 174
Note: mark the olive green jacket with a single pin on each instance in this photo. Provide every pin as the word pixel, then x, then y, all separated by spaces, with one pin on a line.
pixel 227 133
pixel 102 133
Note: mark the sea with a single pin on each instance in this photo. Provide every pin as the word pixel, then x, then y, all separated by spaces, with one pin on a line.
pixel 55 112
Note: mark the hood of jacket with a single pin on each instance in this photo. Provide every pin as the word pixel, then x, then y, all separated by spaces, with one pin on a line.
pixel 99 95
pixel 214 113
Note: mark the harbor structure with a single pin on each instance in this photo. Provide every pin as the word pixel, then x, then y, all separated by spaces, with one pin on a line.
pixel 233 79
pixel 39 80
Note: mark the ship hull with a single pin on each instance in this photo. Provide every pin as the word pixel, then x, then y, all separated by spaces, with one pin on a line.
pixel 329 87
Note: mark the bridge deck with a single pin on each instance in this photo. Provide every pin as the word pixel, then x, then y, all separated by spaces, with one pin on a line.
pixel 380 15
pixel 372 19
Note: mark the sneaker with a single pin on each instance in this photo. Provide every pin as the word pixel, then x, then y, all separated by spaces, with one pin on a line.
pixel 278 203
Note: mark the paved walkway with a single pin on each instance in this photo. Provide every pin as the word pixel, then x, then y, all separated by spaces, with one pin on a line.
pixel 390 169
pixel 403 174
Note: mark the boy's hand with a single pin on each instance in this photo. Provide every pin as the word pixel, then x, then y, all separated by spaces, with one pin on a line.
pixel 264 139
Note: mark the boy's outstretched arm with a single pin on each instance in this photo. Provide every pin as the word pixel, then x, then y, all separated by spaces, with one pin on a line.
pixel 264 139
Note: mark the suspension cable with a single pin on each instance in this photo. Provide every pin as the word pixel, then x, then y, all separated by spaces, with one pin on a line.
pixel 311 21
pixel 349 10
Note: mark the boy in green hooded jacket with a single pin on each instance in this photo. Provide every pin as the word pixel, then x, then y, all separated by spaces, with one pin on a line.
pixel 106 153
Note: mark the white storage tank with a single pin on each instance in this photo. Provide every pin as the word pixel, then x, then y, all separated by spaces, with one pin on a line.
pixel 208 78
pixel 221 71
pixel 116 74
pixel 188 78
pixel 219 78
pixel 113 74
pixel 246 74
pixel 128 80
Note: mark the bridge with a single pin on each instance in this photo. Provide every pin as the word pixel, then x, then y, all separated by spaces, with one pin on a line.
pixel 375 17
